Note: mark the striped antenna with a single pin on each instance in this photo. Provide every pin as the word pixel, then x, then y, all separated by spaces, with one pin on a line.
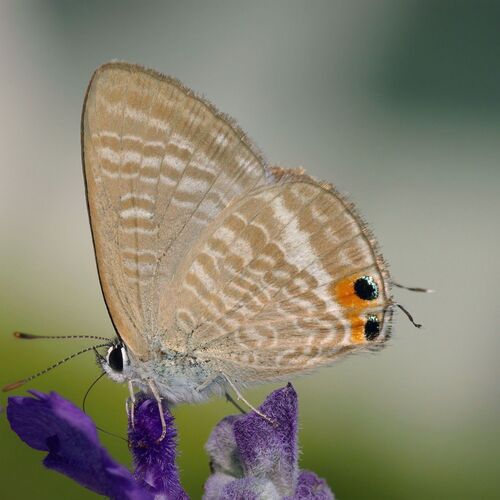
pixel 30 336
pixel 19 383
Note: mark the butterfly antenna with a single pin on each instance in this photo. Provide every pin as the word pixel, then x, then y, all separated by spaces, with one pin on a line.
pixel 30 336
pixel 412 288
pixel 408 315
pixel 23 381
pixel 84 411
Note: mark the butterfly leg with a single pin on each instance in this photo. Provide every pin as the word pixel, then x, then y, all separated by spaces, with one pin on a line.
pixel 231 400
pixel 240 397
pixel 131 413
pixel 207 382
pixel 157 396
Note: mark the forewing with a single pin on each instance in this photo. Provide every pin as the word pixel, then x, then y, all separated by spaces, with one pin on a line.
pixel 160 164
pixel 269 289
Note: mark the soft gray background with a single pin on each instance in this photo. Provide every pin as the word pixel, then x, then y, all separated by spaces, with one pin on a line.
pixel 396 102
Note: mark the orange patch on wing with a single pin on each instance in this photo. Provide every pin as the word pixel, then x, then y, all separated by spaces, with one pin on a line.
pixel 343 293
pixel 357 329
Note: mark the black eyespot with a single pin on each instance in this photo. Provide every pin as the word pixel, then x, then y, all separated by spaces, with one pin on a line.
pixel 115 359
pixel 372 327
pixel 366 288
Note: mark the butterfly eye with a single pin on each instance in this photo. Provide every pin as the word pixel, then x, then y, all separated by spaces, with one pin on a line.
pixel 366 288
pixel 372 327
pixel 116 357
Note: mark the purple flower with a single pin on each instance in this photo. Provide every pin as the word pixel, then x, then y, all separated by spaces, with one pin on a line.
pixel 155 468
pixel 251 457
pixel 254 459
pixel 49 423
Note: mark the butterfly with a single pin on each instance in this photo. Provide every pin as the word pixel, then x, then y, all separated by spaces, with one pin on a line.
pixel 217 269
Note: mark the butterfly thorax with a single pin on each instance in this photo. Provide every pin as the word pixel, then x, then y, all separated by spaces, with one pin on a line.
pixel 177 376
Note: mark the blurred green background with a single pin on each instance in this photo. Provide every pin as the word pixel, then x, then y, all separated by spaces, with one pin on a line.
pixel 396 102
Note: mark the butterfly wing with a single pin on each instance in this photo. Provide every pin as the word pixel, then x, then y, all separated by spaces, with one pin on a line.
pixel 269 288
pixel 160 163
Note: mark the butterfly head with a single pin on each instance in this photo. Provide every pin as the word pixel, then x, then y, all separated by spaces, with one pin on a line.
pixel 116 363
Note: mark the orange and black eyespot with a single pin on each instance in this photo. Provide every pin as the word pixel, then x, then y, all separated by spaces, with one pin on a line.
pixel 366 288
pixel 372 327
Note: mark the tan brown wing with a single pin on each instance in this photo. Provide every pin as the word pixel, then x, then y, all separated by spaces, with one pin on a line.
pixel 160 163
pixel 269 289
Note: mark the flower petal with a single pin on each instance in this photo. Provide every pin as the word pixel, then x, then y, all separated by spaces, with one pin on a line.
pixel 221 447
pixel 215 484
pixel 248 488
pixel 156 470
pixel 311 487
pixel 48 422
pixel 270 450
